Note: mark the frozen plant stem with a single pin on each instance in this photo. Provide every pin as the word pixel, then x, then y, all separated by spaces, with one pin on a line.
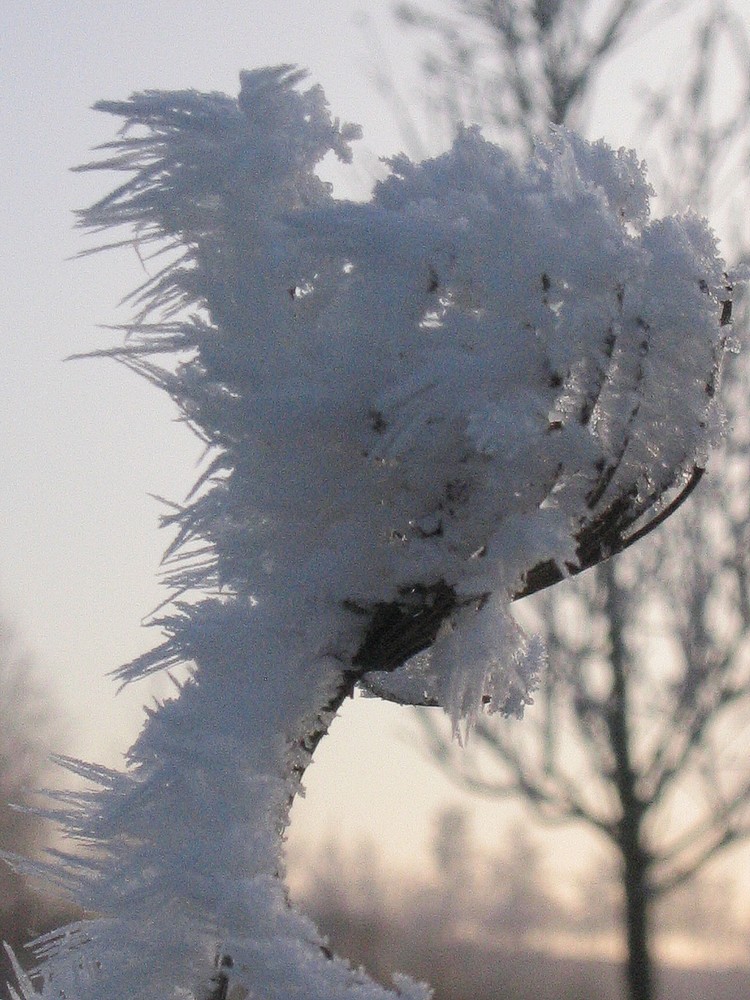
pixel 417 408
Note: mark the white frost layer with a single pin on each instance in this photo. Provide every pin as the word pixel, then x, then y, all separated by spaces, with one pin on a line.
pixel 430 386
pixel 433 387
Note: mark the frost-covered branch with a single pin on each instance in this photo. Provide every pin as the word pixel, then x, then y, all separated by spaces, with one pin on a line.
pixel 416 408
pixel 520 64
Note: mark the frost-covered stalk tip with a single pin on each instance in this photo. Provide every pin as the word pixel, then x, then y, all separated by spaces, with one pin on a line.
pixel 417 407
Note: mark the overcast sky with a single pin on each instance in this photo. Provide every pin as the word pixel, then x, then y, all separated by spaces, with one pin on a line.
pixel 84 445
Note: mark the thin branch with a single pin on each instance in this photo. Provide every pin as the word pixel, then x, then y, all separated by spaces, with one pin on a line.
pixel 664 884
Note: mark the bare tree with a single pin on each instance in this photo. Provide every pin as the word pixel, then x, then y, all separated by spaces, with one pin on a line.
pixel 640 728
pixel 520 64
pixel 641 724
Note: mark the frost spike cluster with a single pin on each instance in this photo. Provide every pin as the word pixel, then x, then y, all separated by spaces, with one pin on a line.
pixel 432 392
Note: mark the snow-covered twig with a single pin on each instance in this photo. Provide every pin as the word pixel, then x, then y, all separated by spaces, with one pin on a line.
pixel 419 407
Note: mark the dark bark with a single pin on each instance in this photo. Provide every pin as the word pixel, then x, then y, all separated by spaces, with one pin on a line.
pixel 636 860
pixel 638 964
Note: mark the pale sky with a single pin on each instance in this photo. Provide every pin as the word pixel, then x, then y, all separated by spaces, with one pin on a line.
pixel 85 445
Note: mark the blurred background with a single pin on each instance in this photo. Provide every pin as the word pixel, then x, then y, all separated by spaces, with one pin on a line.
pixel 600 846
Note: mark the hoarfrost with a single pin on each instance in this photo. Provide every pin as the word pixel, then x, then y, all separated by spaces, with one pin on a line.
pixel 414 404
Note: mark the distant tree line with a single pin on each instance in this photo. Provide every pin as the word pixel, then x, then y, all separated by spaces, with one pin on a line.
pixel 26 728
pixel 495 924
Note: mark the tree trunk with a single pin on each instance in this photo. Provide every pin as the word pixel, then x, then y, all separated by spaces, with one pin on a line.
pixel 635 858
pixel 638 966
